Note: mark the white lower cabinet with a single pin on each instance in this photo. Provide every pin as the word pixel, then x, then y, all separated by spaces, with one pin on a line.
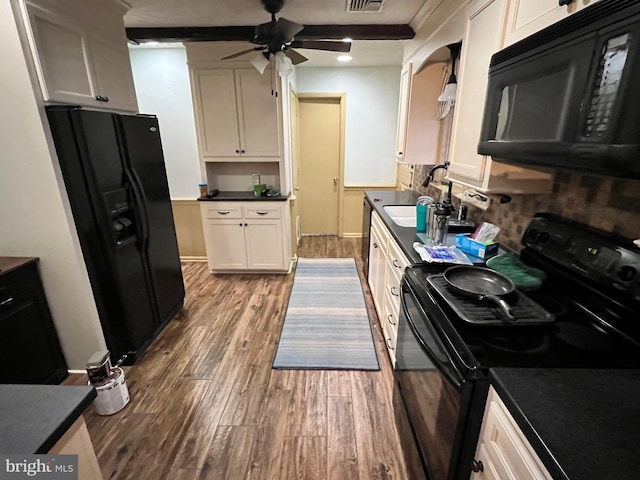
pixel 246 235
pixel 503 452
pixel 386 266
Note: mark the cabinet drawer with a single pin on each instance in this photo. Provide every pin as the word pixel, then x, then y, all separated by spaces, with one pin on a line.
pixel 383 233
pixel 397 260
pixel 17 287
pixel 221 211
pixel 261 212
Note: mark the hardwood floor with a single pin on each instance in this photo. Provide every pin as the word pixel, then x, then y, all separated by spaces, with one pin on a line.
pixel 205 403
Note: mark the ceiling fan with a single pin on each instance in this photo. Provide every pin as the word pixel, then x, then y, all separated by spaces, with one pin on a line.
pixel 278 36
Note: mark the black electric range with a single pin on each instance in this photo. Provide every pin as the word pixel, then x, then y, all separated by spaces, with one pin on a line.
pixel 585 315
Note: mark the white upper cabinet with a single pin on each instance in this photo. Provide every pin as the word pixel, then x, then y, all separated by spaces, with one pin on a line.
pixel 80 53
pixel 482 38
pixel 527 17
pixel 237 115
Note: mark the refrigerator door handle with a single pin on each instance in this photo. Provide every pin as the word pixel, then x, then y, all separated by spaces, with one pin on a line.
pixel 141 203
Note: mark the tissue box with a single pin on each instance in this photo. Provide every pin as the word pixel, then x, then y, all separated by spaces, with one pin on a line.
pixel 477 249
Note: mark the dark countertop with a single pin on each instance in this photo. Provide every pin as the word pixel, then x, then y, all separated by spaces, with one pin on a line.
pixel 8 264
pixel 404 236
pixel 34 417
pixel 584 424
pixel 242 197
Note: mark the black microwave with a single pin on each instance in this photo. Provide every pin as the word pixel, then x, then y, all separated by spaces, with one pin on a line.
pixel 569 95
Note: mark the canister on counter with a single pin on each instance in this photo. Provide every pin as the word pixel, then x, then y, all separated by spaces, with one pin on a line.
pixel 203 189
pixel 421 212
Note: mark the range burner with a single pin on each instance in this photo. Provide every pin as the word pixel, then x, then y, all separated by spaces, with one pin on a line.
pixel 526 311
pixel 582 337
pixel 514 343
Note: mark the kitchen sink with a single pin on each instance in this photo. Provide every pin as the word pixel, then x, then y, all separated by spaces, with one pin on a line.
pixel 402 215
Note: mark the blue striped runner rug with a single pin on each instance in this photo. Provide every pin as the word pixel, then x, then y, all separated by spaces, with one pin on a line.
pixel 326 325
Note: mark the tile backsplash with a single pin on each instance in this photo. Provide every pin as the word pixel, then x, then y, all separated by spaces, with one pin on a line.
pixel 608 203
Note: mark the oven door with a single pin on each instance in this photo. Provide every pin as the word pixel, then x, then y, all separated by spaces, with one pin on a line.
pixel 434 393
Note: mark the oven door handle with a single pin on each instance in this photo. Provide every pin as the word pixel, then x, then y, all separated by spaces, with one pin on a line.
pixel 454 378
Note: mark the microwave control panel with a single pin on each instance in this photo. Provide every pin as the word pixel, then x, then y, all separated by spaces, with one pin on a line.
pixel 606 85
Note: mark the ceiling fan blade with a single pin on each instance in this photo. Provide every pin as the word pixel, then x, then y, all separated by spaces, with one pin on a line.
pixel 244 52
pixel 286 29
pixel 322 45
pixel 296 58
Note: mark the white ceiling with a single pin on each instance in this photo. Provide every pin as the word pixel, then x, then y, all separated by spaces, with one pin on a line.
pixel 216 13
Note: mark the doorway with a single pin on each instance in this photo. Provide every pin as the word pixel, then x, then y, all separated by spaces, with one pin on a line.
pixel 321 144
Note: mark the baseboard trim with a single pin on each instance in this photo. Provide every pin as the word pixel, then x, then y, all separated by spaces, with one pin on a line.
pixel 352 235
pixel 193 259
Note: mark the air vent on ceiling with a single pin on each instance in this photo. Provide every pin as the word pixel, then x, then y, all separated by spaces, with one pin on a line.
pixel 364 6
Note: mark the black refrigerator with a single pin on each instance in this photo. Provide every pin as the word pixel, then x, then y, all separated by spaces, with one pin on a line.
pixel 115 177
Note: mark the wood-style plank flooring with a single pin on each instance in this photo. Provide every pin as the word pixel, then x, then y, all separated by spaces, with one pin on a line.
pixel 205 403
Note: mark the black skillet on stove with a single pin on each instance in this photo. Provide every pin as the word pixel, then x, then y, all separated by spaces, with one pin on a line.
pixel 482 284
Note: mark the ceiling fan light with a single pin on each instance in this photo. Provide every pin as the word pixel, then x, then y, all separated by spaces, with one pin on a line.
pixel 344 58
pixel 260 63
pixel 284 66
pixel 449 93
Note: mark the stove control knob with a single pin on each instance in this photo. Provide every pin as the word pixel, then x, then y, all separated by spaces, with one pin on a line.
pixel 626 273
pixel 543 237
pixel 477 466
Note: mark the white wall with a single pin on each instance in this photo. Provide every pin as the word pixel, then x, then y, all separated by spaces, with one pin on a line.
pixel 372 113
pixel 161 77
pixel 35 218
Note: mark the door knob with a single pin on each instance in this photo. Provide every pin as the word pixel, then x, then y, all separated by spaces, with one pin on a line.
pixel 296 189
pixel 335 180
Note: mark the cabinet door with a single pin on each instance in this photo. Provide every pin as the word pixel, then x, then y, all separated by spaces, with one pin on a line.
pixel 61 56
pixel 225 244
pixel 264 244
pixel 216 114
pixel 258 118
pixel 423 123
pixel 526 18
pixel 112 68
pixel 488 471
pixel 483 36
pixel 377 266
pixel 403 110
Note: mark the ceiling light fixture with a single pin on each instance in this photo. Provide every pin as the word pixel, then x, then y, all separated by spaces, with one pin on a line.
pixel 344 58
pixel 451 88
pixel 260 63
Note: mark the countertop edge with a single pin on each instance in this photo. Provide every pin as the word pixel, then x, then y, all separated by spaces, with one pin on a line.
pixel 35 417
pixel 243 197
pixel 72 416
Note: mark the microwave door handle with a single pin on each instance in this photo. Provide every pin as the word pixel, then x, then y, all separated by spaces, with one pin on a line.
pixel 455 380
